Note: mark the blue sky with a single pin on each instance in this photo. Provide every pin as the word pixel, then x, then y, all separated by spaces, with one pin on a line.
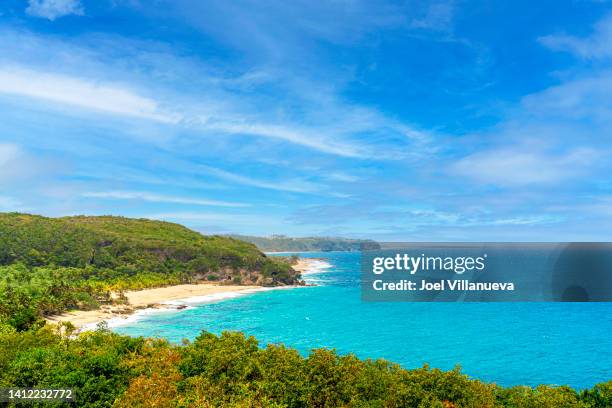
pixel 413 120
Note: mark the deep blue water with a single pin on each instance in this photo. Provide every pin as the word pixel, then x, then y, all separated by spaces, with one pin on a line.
pixel 506 343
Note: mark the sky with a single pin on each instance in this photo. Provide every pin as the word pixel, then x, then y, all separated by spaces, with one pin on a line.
pixel 405 120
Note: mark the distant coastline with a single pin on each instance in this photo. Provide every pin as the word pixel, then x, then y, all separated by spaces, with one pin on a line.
pixel 285 244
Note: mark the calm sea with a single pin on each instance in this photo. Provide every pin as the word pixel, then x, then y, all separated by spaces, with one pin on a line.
pixel 506 343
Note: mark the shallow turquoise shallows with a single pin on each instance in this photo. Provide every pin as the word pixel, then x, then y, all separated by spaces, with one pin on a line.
pixel 506 343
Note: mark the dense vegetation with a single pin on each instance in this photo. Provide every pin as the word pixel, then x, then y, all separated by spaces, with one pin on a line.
pixel 283 243
pixel 107 369
pixel 48 265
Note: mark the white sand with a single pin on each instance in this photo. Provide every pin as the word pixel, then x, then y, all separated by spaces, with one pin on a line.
pixel 169 297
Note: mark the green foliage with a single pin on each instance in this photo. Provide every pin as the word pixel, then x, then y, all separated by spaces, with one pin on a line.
pixel 231 370
pixel 92 364
pixel 599 396
pixel 49 265
pixel 543 396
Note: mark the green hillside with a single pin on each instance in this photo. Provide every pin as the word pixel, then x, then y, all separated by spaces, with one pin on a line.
pixel 48 265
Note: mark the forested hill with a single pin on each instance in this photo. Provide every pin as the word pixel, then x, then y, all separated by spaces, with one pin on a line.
pixel 283 243
pixel 48 265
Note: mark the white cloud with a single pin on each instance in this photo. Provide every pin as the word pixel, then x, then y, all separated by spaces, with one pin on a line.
pixel 293 135
pixel 294 186
pixel 355 133
pixel 526 220
pixel 45 68
pixel 118 100
pixel 521 166
pixel 575 99
pixel 544 141
pixel 81 93
pixel 598 45
pixel 52 9
pixel 137 195
pixel 342 177
pixel 282 29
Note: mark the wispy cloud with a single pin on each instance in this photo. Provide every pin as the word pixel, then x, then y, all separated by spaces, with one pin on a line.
pixel 522 166
pixel 293 135
pixel 558 134
pixel 597 45
pixel 157 198
pixel 403 219
pixel 293 186
pixel 342 177
pixel 52 9
pixel 80 93
pixel 526 220
pixel 580 98
pixel 276 106
pixel 123 101
pixel 284 31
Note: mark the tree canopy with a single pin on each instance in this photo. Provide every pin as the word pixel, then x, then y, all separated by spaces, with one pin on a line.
pixel 232 370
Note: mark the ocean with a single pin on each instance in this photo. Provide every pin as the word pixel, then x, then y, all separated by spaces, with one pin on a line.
pixel 506 343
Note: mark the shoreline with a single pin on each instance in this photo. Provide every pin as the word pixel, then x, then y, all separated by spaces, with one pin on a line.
pixel 306 266
pixel 167 298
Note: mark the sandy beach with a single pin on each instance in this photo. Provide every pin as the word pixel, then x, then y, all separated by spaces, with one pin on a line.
pixel 161 298
pixel 304 265
pixel 154 298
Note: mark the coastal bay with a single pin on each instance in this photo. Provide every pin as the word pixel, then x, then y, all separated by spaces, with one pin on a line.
pixel 167 297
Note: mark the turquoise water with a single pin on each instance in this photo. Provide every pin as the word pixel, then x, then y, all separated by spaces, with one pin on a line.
pixel 506 343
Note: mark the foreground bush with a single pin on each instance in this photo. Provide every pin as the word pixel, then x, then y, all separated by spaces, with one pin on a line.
pixel 231 370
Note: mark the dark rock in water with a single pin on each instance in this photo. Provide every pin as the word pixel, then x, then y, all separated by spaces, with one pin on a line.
pixel 181 307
